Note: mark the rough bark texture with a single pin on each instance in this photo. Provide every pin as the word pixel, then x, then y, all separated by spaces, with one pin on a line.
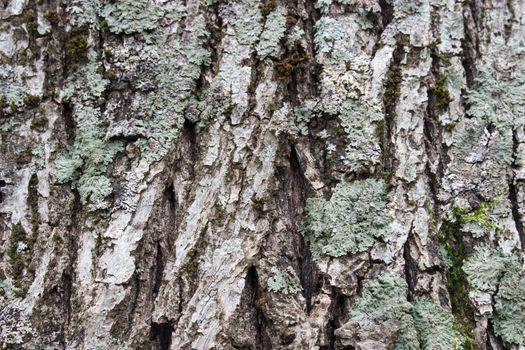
pixel 275 174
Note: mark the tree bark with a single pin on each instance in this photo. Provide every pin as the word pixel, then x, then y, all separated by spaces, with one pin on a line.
pixel 216 174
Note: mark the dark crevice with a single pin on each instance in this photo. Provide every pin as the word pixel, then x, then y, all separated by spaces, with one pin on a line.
pixel 470 44
pixel 169 195
pixel 159 269
pixel 67 283
pixel 411 268
pixel 360 286
pixel 297 191
pixel 32 203
pixel 390 99
pixel 511 20
pixel 69 123
pixel 189 132
pixel 476 16
pixel 434 135
pixel 338 316
pixel 306 275
pixel 387 13
pixel 492 338
pixel 2 184
pixel 262 338
pixel 296 67
pixel 252 86
pixel 134 298
pixel 315 68
pixel 214 25
pixel 161 334
pixel 170 210
pixel 72 246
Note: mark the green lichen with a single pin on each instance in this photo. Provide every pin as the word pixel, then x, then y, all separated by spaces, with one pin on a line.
pixel 486 267
pixel 85 163
pixel 494 271
pixel 498 100
pixel 510 306
pixel 292 121
pixel 284 282
pixel 479 221
pixel 483 142
pixel 176 73
pixel 249 26
pixel 170 67
pixel 344 74
pixel 132 16
pixel 423 324
pixel 294 36
pixel 273 32
pixel 350 222
pixel 476 150
pixel 83 12
pixel 12 89
pixel 324 5
pixel 385 298
pixel 466 141
pixel 327 32
pixel 435 326
pixel 358 121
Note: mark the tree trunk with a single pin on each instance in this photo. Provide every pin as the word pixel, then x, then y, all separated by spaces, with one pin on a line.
pixel 275 174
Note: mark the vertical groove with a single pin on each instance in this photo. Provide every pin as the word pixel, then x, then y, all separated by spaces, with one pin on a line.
pixel 513 197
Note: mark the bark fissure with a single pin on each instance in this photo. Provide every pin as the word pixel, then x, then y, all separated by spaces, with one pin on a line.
pixel 411 268
pixel 158 270
pixel 513 196
pixel 391 95
pixel 262 339
pixel 297 197
pixel 470 45
pixel 161 333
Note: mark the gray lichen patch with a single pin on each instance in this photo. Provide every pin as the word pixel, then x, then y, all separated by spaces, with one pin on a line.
pixel 354 218
pixel 132 16
pixel 273 32
pixel 498 98
pixel 285 282
pixel 483 142
pixel 423 324
pixel 500 273
pixel 84 12
pixel 20 89
pixel 249 25
pixel 84 164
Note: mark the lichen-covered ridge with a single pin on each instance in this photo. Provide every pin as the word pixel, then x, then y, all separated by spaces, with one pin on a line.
pixel 242 174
